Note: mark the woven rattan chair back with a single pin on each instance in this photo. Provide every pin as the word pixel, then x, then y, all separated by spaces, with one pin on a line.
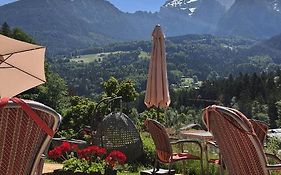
pixel 118 132
pixel 22 140
pixel 161 140
pixel 240 147
pixel 260 129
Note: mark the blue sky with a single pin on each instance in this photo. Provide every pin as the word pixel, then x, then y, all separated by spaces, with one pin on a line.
pixel 127 5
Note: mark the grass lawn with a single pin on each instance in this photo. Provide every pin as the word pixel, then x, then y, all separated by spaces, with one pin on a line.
pixel 87 58
pixel 144 55
pixel 93 57
pixel 99 56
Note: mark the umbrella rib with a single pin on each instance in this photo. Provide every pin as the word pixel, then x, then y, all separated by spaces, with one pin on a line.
pixel 6 59
pixel 5 62
pixel 12 66
pixel 6 67
pixel 23 51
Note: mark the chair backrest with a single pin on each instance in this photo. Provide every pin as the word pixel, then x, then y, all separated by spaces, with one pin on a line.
pixel 260 129
pixel 22 140
pixel 161 140
pixel 239 145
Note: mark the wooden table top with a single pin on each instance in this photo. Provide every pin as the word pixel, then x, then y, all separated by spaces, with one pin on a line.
pixel 197 134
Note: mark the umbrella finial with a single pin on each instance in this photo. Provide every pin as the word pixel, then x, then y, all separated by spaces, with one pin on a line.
pixel 157 32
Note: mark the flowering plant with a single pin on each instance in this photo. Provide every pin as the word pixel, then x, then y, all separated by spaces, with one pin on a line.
pixel 92 159
pixel 64 151
pixel 115 158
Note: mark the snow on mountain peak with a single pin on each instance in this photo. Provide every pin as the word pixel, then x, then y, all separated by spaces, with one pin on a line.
pixel 192 10
pixel 276 6
pixel 188 6
pixel 177 3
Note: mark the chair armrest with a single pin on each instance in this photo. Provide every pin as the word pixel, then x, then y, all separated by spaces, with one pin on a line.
pixel 173 139
pixel 212 144
pixel 273 157
pixel 182 141
pixel 274 167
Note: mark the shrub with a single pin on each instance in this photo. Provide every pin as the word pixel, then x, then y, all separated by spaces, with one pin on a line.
pixel 89 160
pixel 149 150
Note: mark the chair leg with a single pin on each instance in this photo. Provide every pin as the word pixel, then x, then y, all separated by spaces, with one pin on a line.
pixel 184 167
pixel 222 166
pixel 169 166
pixel 201 167
pixel 201 161
pixel 156 166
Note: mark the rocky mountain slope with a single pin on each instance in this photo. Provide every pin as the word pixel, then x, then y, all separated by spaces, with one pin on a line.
pixel 69 24
pixel 84 23
pixel 255 18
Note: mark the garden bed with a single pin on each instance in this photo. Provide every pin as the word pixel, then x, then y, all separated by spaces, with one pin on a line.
pixel 61 172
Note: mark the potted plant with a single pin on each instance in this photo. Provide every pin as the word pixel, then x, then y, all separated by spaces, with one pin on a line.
pixel 92 160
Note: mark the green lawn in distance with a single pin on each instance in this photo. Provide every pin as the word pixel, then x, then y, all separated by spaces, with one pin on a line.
pixel 93 57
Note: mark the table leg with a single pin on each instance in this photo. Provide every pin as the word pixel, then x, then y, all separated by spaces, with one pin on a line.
pixel 221 165
pixel 205 150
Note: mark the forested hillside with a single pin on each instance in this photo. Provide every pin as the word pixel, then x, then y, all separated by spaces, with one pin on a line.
pixel 241 73
pixel 202 70
pixel 200 56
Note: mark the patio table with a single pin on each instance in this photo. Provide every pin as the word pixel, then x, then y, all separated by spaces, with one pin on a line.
pixel 202 136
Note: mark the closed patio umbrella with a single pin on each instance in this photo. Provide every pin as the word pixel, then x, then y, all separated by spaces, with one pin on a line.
pixel 21 66
pixel 157 90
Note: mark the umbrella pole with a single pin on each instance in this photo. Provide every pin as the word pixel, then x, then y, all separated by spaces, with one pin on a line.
pixel 157 113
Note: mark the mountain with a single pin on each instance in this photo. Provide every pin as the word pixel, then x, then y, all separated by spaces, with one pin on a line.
pixel 200 16
pixel 226 3
pixel 70 24
pixel 67 23
pixel 255 18
pixel 274 42
pixel 270 47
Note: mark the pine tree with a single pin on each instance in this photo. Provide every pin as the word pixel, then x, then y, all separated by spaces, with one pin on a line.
pixel 5 30
pixel 272 114
pixel 18 34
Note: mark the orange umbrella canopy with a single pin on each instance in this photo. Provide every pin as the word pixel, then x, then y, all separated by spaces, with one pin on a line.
pixel 21 66
pixel 157 89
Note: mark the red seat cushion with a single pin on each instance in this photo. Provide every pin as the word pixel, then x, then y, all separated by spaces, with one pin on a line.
pixel 182 156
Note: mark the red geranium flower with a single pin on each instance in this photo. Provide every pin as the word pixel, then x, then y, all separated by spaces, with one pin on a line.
pixel 101 151
pixel 55 153
pixel 62 150
pixel 91 151
pixel 65 146
pixel 115 158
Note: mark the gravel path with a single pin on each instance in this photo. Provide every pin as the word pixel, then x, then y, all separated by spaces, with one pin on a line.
pixel 50 167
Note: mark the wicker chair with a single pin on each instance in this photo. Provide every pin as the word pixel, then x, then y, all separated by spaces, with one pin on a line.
pixel 164 152
pixel 260 129
pixel 26 129
pixel 118 132
pixel 240 147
